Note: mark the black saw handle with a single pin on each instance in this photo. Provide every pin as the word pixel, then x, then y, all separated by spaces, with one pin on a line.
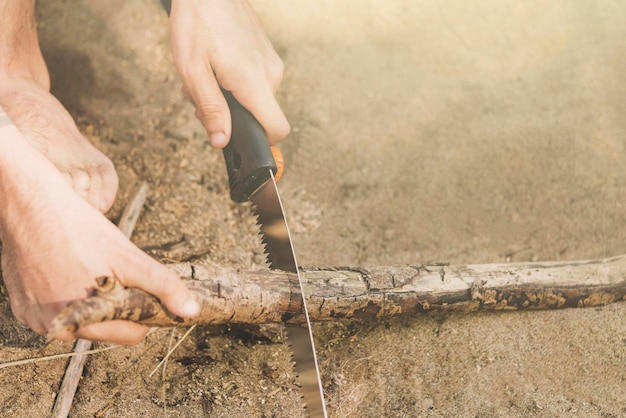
pixel 248 156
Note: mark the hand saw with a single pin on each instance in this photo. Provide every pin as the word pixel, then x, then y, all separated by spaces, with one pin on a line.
pixel 251 168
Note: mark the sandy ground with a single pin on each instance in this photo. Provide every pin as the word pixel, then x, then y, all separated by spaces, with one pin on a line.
pixel 423 131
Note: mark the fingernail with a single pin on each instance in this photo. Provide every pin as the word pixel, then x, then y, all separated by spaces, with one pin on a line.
pixel 191 308
pixel 218 139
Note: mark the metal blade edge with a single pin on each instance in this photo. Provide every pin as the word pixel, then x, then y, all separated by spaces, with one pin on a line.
pixel 268 207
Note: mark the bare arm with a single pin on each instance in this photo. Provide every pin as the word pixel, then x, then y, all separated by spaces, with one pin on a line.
pixel 20 56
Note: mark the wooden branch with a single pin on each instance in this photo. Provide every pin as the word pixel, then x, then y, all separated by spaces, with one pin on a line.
pixel 74 370
pixel 228 295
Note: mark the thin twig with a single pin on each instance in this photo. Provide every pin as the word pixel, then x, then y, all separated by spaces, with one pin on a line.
pixel 169 349
pixel 62 355
pixel 74 370
pixel 73 354
pixel 131 213
pixel 172 350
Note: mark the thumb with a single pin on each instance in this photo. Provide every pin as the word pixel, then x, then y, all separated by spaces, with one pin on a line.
pixel 145 273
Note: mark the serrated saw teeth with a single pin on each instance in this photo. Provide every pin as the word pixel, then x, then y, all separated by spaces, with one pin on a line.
pixel 267 207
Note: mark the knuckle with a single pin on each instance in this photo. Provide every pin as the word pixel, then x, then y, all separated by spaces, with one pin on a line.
pixel 233 77
pixel 81 180
pixel 107 165
pixel 105 168
pixel 276 71
pixel 284 130
pixel 231 80
pixel 208 111
pixel 192 73
pixel 280 132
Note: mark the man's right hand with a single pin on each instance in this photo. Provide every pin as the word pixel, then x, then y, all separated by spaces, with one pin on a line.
pixel 221 43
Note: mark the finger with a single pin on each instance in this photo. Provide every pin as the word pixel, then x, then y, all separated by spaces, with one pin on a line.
pixel 80 183
pixel 211 106
pixel 117 332
pixel 146 273
pixel 110 184
pixel 260 101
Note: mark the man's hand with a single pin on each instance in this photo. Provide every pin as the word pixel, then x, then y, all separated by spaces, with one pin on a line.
pixel 54 244
pixel 45 123
pixel 220 43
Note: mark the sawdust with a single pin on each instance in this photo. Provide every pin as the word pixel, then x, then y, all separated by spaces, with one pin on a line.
pixel 422 132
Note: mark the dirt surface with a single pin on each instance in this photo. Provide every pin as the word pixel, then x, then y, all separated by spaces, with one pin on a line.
pixel 422 131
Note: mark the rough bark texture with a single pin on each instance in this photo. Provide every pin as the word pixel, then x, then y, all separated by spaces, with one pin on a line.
pixel 255 297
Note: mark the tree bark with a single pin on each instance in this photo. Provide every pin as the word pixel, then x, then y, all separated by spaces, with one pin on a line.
pixel 228 295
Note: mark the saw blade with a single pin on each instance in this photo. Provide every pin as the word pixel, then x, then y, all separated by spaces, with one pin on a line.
pixel 268 208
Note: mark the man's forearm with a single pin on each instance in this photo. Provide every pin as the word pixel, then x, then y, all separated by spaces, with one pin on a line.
pixel 16 14
pixel 20 55
pixel 18 28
